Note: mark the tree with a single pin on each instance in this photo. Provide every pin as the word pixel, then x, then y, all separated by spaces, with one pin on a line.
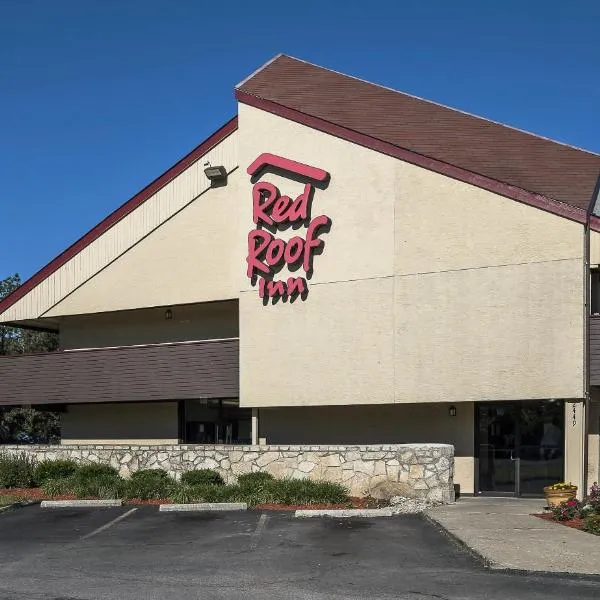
pixel 20 424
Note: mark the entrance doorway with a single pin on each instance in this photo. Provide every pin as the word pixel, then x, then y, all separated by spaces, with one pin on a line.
pixel 520 446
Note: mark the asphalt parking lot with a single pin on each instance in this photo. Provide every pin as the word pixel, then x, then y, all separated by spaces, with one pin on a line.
pixel 125 553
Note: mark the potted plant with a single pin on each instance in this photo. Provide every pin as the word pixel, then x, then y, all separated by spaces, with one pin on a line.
pixel 558 493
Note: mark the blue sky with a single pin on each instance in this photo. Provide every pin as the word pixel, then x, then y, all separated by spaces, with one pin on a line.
pixel 99 97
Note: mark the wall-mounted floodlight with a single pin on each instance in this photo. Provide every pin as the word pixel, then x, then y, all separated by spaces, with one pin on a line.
pixel 217 173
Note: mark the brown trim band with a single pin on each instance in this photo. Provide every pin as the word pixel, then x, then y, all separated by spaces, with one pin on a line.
pixel 129 206
pixel 542 202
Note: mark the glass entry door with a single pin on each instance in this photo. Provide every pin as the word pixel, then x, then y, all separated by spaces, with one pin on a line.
pixel 519 446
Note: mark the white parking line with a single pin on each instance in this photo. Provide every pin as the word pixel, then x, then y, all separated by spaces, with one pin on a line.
pixel 109 524
pixel 262 522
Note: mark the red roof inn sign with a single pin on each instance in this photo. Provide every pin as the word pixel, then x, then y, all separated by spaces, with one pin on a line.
pixel 271 213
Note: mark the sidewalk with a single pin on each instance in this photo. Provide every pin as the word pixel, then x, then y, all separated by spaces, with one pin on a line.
pixel 504 533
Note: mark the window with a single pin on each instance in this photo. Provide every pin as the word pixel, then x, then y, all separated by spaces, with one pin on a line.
pixel 595 292
pixel 218 421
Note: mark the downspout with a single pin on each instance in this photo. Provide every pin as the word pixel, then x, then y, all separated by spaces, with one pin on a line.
pixel 587 300
pixel 586 401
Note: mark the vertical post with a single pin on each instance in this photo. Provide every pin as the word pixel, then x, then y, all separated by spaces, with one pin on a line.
pixel 255 426
pixel 574 444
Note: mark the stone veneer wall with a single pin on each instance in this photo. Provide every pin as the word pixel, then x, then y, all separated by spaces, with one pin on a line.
pixel 426 469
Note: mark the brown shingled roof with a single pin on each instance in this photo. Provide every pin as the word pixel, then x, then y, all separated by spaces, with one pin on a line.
pixel 523 160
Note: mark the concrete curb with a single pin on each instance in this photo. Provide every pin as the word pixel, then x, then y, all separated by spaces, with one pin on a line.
pixel 203 507
pixel 486 562
pixel 344 513
pixel 81 503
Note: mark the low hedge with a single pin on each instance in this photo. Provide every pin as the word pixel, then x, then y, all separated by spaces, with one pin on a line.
pixel 65 477
pixel 253 490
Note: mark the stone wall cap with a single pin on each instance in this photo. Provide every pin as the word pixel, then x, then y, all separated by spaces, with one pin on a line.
pixel 244 448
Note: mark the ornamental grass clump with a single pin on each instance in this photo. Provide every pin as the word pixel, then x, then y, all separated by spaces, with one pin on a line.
pixel 106 486
pixel 16 470
pixel 149 484
pixel 202 477
pixel 306 491
pixel 60 486
pixel 185 493
pixel 151 474
pixel 258 479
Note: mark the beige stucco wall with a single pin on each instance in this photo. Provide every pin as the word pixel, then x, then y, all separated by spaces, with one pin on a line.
pixel 165 275
pixel 214 320
pixel 400 424
pixel 127 423
pixel 192 256
pixel 428 289
pixel 511 332
pixel 322 351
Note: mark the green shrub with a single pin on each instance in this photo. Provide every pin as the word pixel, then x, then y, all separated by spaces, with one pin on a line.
pixel 16 470
pixel 54 469
pixel 591 524
pixel 95 470
pixel 106 486
pixel 254 480
pixel 152 474
pixel 223 493
pixel 148 487
pixel 202 477
pixel 306 491
pixel 185 493
pixel 57 486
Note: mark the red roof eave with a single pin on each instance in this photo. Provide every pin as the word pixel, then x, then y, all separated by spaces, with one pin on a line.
pixel 498 187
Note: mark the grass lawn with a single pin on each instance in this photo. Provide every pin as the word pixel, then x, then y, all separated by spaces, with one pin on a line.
pixel 6 500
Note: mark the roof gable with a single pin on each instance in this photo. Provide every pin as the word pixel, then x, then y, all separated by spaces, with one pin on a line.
pixel 428 131
pixel 122 229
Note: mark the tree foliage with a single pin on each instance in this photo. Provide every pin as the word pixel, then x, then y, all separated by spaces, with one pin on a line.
pixel 21 424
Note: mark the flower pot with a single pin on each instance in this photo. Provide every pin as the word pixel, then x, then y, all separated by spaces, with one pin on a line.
pixel 557 497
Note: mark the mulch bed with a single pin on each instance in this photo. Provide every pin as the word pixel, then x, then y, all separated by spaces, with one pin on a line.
pixel 38 494
pixel 34 494
pixel 576 523
pixel 355 502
